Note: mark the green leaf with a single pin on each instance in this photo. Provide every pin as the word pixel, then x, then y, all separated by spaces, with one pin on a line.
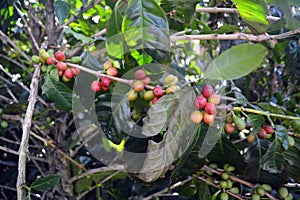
pixel 177 139
pixel 82 185
pixel 257 122
pixel 78 36
pixel 62 10
pixel 145 29
pixel 58 92
pixel 291 22
pixel 91 62
pixel 211 138
pixel 292 156
pixel 273 161
pixel 253 12
pixel 46 183
pixel 115 40
pixel 271 108
pixel 236 62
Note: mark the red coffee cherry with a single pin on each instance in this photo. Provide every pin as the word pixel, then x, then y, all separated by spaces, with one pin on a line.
pixel 95 86
pixel 140 74
pixel 68 73
pixel 269 129
pixel 112 71
pixel 60 56
pixel 50 60
pixel 105 82
pixel 210 108
pixel 200 102
pixel 61 66
pixel 207 91
pixel 229 128
pixel 208 119
pixel 262 133
pixel 75 71
pixel 146 80
pixel 158 91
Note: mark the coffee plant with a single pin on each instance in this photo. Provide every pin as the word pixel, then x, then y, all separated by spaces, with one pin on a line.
pixel 145 99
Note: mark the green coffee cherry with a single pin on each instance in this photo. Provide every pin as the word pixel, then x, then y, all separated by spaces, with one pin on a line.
pixel 213 165
pixel 132 95
pixel 291 141
pixel 223 184
pixel 36 59
pixel 4 124
pixel 239 123
pixel 260 191
pixel 225 166
pixel 290 197
pixel 266 187
pixel 224 175
pixel 224 196
pixel 283 192
pixel 148 95
pixel 234 190
pixel 229 183
pixel 255 196
pixel 76 59
pixel 170 80
pixel 296 124
pixel 230 168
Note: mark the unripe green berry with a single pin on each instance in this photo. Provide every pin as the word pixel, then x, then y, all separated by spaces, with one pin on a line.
pixel 76 59
pixel 132 95
pixel 224 175
pixel 4 124
pixel 283 192
pixel 239 123
pixel 224 196
pixel 170 80
pixel 148 95
pixel 234 190
pixel 266 187
pixel 229 183
pixel 291 141
pixel 260 191
pixel 213 165
pixel 36 59
pixel 255 196
pixel 223 184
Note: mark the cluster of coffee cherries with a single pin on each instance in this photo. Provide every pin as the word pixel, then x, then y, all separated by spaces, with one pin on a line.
pixel 57 59
pixel 151 95
pixel 105 82
pixel 206 106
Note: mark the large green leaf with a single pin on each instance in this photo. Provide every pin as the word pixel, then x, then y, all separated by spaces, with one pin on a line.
pixel 145 29
pixel 291 22
pixel 115 41
pixel 58 92
pixel 62 10
pixel 273 161
pixel 45 184
pixel 176 140
pixel 236 62
pixel 292 156
pixel 253 12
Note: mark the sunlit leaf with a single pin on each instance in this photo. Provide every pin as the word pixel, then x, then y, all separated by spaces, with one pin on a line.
pixel 236 62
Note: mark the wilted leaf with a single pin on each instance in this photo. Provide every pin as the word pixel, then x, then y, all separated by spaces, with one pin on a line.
pixel 45 184
pixel 236 62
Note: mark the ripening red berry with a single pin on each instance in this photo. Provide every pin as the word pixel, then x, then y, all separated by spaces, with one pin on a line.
pixel 155 100
pixel 60 73
pixel 262 133
pixel 158 91
pixel 105 82
pixel 210 108
pixel 207 91
pixel 68 73
pixel 108 64
pixel 60 56
pixel 229 128
pixel 140 74
pixel 146 80
pixel 61 66
pixel 269 129
pixel 95 86
pixel 200 102
pixel 196 116
pixel 207 118
pixel 50 60
pixel 104 88
pixel 75 71
pixel 112 71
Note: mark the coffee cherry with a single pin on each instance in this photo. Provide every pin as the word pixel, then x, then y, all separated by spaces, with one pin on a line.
pixel 260 191
pixel 50 60
pixel 223 184
pixel 132 95
pixel 172 89
pixel 229 183
pixel 234 190
pixel 230 168
pixel 224 175
pixel 251 138
pixel 196 116
pixel 262 133
pixel 255 196
pixel 44 68
pixel 76 60
pixel 95 86
pixel 228 119
pixel 60 56
pixel 104 88
pixel 43 55
pixel 269 129
pixel 291 141
pixel 60 73
pixel 269 136
pixel 65 79
pixel 140 74
pixel 224 196
pixel 154 100
pixel 105 81
pixel 207 91
pixel 210 108
pixel 112 71
pixel 61 66
pixel 207 118
pixel 158 91
pixel 4 124
pixel 138 85
pixel 75 71
pixel 266 187
pixel 200 102
pixel 35 59
pixel 283 192
pixel 229 128
pixel 146 80
pixel 296 124
pixel 68 73
pixel 148 95
pixel 215 99
pixel 239 123
pixel 108 64
pixel 213 165
pixel 170 80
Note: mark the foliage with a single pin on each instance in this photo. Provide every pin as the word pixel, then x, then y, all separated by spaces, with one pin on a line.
pixel 150 148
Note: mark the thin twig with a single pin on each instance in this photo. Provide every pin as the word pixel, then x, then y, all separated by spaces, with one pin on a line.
pixel 238 36
pixel 16 63
pixel 23 150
